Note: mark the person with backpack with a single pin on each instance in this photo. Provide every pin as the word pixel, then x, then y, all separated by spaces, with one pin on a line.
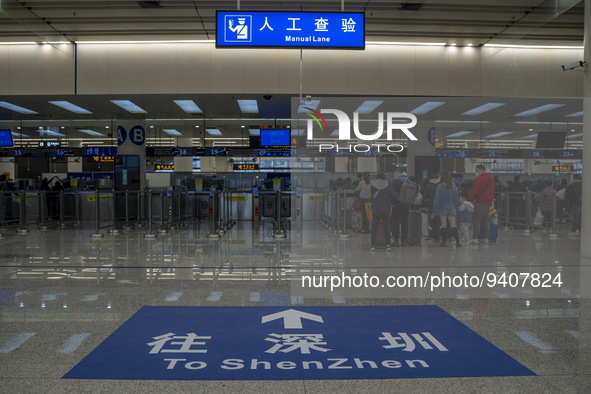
pixel 406 192
pixel 382 198
pixel 445 205
pixel 429 199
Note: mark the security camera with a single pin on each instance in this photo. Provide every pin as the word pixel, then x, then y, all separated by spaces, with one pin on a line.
pixel 267 97
pixel 572 66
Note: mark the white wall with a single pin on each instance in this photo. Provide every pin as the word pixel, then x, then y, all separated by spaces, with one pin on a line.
pixel 36 69
pixel 379 70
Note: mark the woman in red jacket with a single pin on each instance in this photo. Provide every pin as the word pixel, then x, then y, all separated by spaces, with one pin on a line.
pixel 482 195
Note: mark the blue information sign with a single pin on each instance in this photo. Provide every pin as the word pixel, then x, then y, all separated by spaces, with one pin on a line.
pixel 273 342
pixel 137 135
pixel 323 30
pixel 121 135
pixel 99 151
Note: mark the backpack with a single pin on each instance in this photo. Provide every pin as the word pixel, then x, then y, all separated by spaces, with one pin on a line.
pixel 408 192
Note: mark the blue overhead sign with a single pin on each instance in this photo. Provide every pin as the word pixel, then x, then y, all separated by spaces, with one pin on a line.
pixel 269 343
pixel 323 30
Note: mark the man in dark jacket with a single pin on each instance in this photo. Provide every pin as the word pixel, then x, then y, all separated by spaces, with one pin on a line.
pixel 382 198
pixel 481 195
pixel 574 198
pixel 429 198
pixel 400 210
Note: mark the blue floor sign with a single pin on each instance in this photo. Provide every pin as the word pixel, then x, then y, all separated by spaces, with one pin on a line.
pixel 259 343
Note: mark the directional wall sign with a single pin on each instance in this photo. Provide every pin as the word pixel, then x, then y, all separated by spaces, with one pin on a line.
pixel 246 166
pixel 264 343
pixel 322 30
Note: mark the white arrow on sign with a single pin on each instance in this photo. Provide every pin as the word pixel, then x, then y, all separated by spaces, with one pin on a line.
pixel 292 318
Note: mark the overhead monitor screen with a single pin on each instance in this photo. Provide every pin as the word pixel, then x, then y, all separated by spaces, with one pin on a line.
pixel 275 138
pixel 551 140
pixel 5 137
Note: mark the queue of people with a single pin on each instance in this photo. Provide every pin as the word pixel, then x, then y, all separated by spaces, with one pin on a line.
pixel 467 215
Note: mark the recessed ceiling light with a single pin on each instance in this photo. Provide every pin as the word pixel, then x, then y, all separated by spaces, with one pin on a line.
pixel 428 106
pixel 499 134
pixel 248 106
pixel 575 115
pixel 574 135
pixel 17 108
pixel 92 132
pixel 368 106
pixel 71 107
pixel 129 106
pixel 51 132
pixel 214 132
pixel 189 106
pixel 459 134
pixel 308 104
pixel 173 132
pixel 540 109
pixel 483 108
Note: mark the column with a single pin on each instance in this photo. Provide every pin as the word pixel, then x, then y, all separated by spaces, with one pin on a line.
pixel 131 141
pixel 183 163
pixel 425 146
pixel 586 215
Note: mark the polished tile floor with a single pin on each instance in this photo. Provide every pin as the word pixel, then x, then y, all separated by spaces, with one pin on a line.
pixel 62 293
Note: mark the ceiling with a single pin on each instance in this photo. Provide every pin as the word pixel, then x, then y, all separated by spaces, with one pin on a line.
pixel 538 22
pixel 452 21
pixel 222 112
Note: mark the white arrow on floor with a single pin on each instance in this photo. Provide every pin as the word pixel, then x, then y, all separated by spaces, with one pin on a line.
pixel 292 318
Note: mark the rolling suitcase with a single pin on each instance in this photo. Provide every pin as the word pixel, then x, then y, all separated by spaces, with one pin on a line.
pixel 381 236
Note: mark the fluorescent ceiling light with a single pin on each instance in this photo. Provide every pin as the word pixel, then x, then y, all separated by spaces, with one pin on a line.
pixel 19 134
pixel 499 134
pixel 248 106
pixel 368 106
pixel 173 132
pixel 483 108
pixel 49 132
pixel 428 106
pixel 129 106
pixel 16 108
pixel 189 106
pixel 19 43
pixel 71 107
pixel 254 132
pixel 92 132
pixel 459 134
pixel 574 135
pixel 540 109
pixel 531 136
pixel 214 132
pixel 575 115
pixel 532 46
pixel 147 42
pixel 406 43
pixel 463 121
